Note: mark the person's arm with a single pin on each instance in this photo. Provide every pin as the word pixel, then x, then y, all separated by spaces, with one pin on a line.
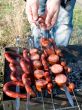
pixel 52 11
pixel 32 10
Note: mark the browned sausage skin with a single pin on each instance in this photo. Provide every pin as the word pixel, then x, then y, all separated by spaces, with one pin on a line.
pixel 40 84
pixel 13 77
pixel 26 55
pixel 37 64
pixel 11 93
pixel 25 66
pixel 38 74
pixel 8 56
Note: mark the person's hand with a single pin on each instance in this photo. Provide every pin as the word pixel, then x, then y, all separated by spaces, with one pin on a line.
pixel 32 10
pixel 52 10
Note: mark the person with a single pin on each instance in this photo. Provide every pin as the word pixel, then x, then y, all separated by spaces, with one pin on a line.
pixel 58 18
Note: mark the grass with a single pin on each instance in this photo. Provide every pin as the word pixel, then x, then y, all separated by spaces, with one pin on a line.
pixel 13 22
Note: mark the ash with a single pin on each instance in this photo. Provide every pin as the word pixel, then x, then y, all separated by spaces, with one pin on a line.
pixel 76 74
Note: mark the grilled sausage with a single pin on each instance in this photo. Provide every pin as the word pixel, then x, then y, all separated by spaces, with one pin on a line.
pixel 27 82
pixel 8 56
pixel 52 59
pixel 11 93
pixel 56 68
pixel 60 79
pixel 37 64
pixel 25 66
pixel 38 74
pixel 40 84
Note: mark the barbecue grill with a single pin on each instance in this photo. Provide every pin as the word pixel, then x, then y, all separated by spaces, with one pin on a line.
pixel 72 54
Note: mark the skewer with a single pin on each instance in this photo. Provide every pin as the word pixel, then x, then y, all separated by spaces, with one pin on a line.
pixel 76 101
pixel 27 102
pixel 74 96
pixel 30 44
pixel 17 87
pixel 42 100
pixel 52 100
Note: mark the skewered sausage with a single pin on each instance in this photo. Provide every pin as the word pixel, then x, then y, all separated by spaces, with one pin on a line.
pixel 8 56
pixel 25 66
pixel 50 50
pixel 10 93
pixel 33 51
pixel 38 74
pixel 48 79
pixel 35 56
pixel 63 63
pixel 60 79
pixel 58 52
pixel 44 42
pixel 25 55
pixel 49 87
pixel 56 68
pixel 46 74
pixel 40 84
pixel 53 59
pixel 13 67
pixel 37 64
pixel 13 77
pixel 27 82
pixel 26 79
pixel 71 87
pixel 44 62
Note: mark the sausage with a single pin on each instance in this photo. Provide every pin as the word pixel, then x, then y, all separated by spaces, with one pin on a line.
pixel 35 57
pixel 58 52
pixel 25 66
pixel 67 69
pixel 27 82
pixel 40 84
pixel 48 79
pixel 33 51
pixel 29 90
pixel 25 55
pixel 38 74
pixel 50 50
pixel 13 77
pixel 11 93
pixel 37 64
pixel 13 67
pixel 8 56
pixel 53 42
pixel 26 79
pixel 46 74
pixel 44 42
pixel 49 87
pixel 56 68
pixel 71 87
pixel 53 59
pixel 60 79
pixel 44 62
pixel 63 63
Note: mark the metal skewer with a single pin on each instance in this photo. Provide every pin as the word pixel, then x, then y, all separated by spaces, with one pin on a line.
pixel 74 95
pixel 30 44
pixel 42 100
pixel 52 100
pixel 17 87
